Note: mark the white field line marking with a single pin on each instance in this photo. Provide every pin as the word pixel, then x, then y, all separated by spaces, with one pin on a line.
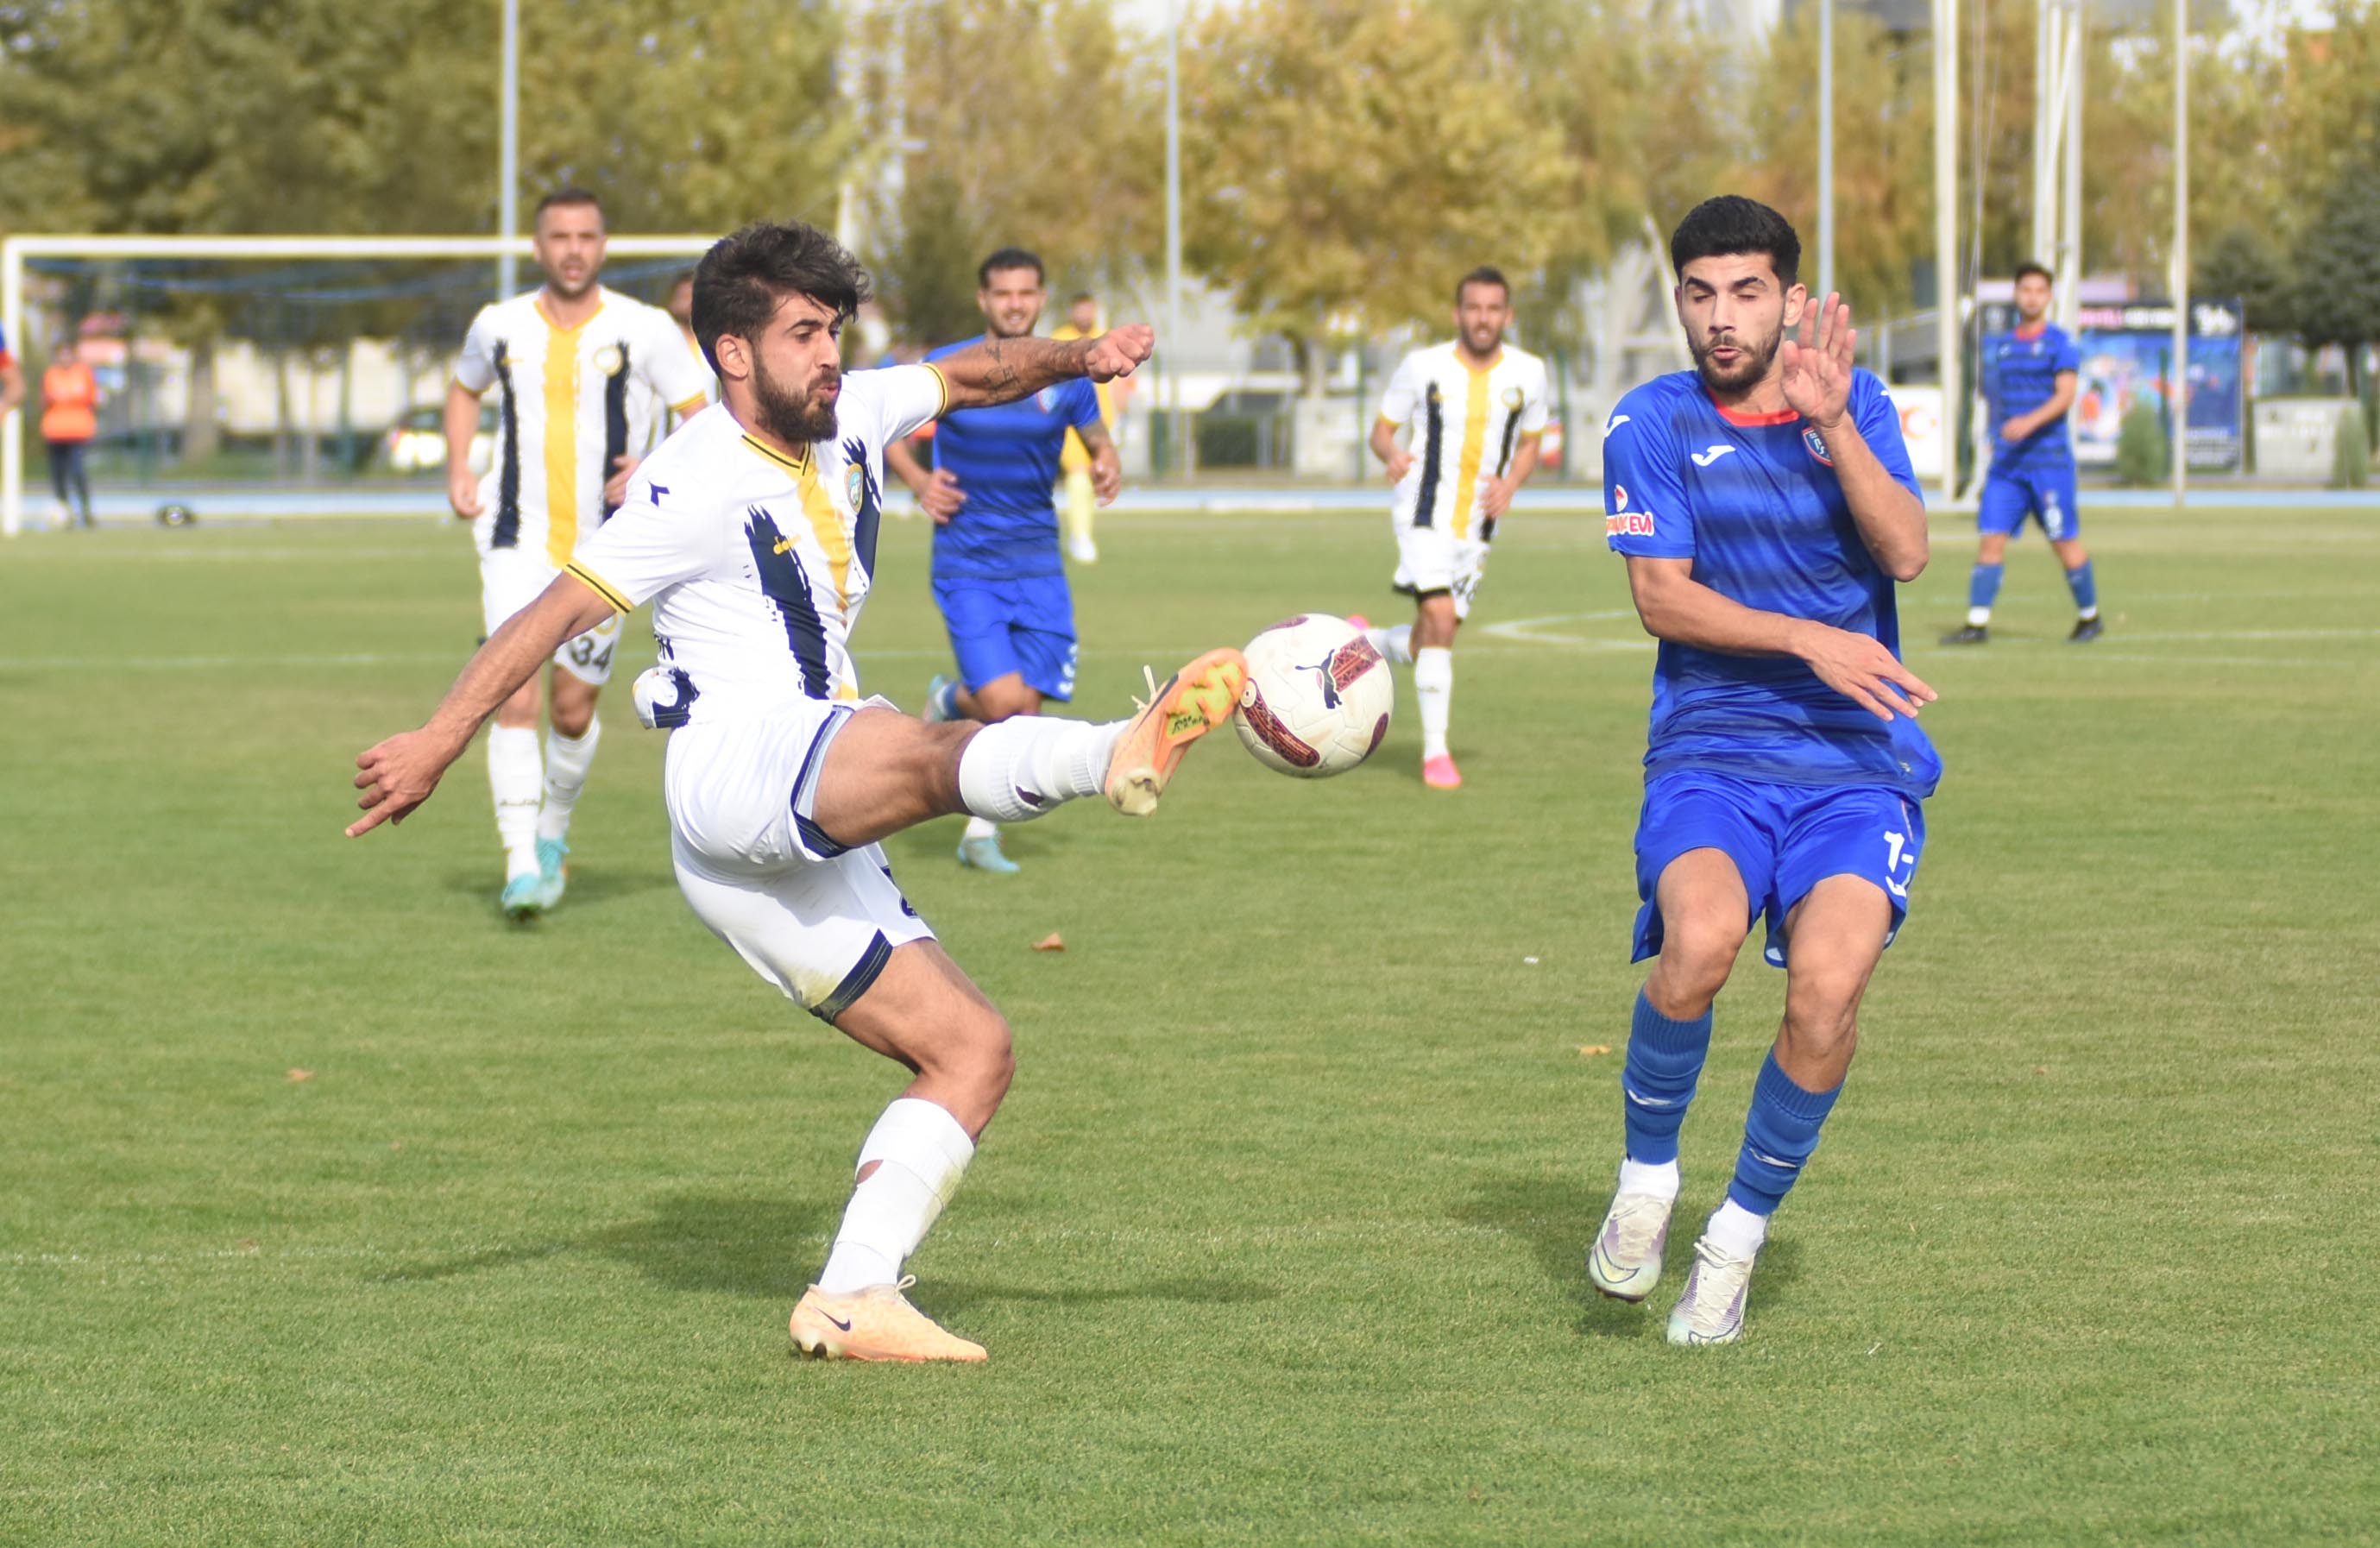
pixel 1531 631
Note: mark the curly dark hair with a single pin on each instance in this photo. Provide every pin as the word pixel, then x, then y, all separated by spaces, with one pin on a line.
pixel 744 278
pixel 1732 224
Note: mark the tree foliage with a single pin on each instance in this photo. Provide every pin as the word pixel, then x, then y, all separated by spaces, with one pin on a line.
pixel 1023 124
pixel 1355 160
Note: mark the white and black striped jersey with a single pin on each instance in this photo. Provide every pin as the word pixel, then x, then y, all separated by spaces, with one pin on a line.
pixel 603 383
pixel 1467 426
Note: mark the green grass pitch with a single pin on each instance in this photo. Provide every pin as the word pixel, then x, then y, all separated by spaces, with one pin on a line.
pixel 1278 1239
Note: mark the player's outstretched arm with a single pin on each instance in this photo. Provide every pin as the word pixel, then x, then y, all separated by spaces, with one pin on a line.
pixel 1676 607
pixel 398 774
pixel 1002 370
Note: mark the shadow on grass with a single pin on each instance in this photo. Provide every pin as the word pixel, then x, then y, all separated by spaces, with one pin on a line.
pixel 587 889
pixel 1556 1216
pixel 763 1247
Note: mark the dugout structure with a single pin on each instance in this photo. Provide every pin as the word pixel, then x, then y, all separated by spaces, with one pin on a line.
pixel 257 255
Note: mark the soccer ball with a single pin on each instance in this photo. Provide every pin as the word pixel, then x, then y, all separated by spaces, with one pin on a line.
pixel 1317 698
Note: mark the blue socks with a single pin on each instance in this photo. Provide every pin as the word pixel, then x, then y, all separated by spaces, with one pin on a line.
pixel 1984 588
pixel 1779 1133
pixel 2086 589
pixel 1665 1061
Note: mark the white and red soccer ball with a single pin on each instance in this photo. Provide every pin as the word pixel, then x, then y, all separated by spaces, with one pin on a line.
pixel 1317 698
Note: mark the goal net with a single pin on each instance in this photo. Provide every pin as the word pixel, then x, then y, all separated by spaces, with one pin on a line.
pixel 261 376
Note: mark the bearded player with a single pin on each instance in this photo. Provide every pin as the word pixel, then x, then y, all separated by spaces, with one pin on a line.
pixel 753 533
pixel 1476 410
pixel 581 375
pixel 2031 374
pixel 1765 507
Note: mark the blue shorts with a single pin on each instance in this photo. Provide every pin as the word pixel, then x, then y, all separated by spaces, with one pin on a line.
pixel 1024 626
pixel 1784 840
pixel 2045 494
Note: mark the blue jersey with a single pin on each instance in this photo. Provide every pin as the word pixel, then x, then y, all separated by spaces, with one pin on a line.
pixel 1753 500
pixel 1005 459
pixel 2020 373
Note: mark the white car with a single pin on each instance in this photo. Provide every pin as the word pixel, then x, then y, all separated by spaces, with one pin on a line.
pixel 416 443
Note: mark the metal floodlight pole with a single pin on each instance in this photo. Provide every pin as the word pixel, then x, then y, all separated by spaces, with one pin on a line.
pixel 509 156
pixel 1826 147
pixel 2177 386
pixel 1946 232
pixel 2069 242
pixel 1175 458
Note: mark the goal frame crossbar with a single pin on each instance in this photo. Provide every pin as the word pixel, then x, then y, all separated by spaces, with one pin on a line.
pixel 16 249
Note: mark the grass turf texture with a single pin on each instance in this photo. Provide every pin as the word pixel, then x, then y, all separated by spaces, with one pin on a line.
pixel 1278 1238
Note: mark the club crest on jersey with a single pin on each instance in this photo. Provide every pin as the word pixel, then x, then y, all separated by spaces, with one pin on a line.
pixel 1513 398
pixel 1047 400
pixel 610 359
pixel 854 484
pixel 1817 444
pixel 1620 497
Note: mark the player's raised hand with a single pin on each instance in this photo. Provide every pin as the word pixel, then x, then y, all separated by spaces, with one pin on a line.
pixel 1816 368
pixel 1116 351
pixel 1862 671
pixel 941 496
pixel 463 494
pixel 398 775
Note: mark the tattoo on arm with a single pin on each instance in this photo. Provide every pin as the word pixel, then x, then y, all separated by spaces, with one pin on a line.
pixel 1002 370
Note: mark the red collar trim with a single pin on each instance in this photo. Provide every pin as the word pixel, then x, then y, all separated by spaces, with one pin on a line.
pixel 2035 331
pixel 1737 417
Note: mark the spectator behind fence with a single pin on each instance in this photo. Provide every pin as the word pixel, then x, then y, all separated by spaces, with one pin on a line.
pixel 69 422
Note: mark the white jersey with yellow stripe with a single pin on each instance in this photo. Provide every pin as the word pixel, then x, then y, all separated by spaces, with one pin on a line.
pixel 1467 423
pixel 756 564
pixel 568 402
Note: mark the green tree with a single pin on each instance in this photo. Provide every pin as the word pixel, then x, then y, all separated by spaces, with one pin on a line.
pixel 1026 123
pixel 2246 261
pixel 1352 160
pixel 2336 293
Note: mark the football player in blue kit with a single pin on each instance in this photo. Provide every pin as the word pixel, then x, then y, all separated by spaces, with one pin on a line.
pixel 999 578
pixel 1765 505
pixel 2029 376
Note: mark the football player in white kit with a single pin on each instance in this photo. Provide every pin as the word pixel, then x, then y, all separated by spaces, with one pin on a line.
pixel 1477 407
pixel 582 375
pixel 753 530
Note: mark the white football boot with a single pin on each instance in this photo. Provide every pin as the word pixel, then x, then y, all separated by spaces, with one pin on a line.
pixel 1711 1309
pixel 1625 1262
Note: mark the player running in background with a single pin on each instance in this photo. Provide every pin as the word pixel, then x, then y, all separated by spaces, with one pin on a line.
pixel 1075 462
pixel 1477 407
pixel 1765 507
pixel 999 578
pixel 2031 373
pixel 753 532
pixel 582 375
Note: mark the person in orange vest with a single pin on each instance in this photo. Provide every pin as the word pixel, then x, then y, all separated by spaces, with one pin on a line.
pixel 69 423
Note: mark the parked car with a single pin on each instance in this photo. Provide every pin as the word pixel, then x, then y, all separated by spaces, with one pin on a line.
pixel 416 443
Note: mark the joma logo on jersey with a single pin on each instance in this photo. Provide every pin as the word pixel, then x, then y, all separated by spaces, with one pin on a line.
pixel 783 545
pixel 1710 455
pixel 1628 523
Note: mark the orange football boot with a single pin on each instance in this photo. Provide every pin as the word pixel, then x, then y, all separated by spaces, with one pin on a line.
pixel 1193 702
pixel 874 1324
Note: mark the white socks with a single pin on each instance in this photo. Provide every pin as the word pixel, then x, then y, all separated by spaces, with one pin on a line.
pixel 978 828
pixel 1020 767
pixel 1661 1180
pixel 921 1153
pixel 1434 687
pixel 1395 644
pixel 567 758
pixel 1736 1230
pixel 515 776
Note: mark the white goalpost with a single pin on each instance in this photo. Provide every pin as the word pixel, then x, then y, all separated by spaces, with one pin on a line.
pixel 15 252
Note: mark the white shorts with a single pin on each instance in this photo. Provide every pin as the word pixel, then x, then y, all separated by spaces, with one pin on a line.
pixel 1430 559
pixel 816 919
pixel 510 579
